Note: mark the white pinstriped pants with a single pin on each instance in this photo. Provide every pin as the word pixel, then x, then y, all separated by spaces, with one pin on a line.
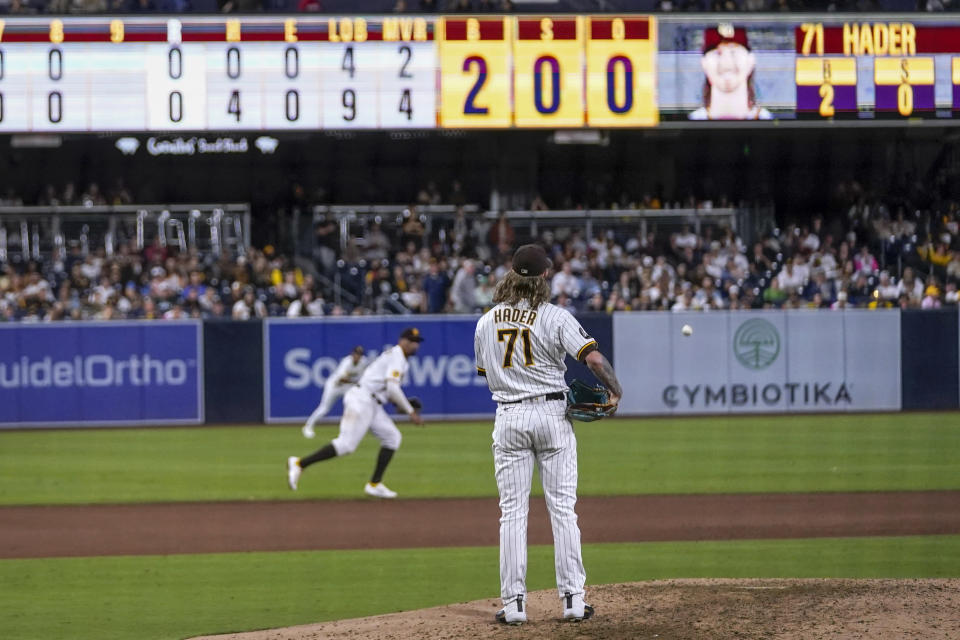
pixel 526 433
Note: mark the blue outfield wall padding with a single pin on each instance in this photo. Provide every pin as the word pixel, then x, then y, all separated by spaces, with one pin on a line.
pixel 233 359
pixel 600 327
pixel 930 359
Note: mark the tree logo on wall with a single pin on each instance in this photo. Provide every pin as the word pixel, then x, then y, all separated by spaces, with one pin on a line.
pixel 756 344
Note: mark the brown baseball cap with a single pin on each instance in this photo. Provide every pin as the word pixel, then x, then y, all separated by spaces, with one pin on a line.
pixel 412 334
pixel 531 260
pixel 724 32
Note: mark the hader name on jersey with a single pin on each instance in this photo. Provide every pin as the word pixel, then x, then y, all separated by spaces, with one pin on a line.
pixel 508 314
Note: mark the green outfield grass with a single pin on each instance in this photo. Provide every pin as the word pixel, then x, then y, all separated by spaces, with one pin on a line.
pixel 617 457
pixel 167 597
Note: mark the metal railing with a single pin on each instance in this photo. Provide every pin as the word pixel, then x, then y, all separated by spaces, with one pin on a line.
pixel 353 220
pixel 637 219
pixel 32 233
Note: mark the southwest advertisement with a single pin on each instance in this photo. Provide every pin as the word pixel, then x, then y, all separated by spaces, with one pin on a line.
pixel 759 362
pixel 91 374
pixel 299 355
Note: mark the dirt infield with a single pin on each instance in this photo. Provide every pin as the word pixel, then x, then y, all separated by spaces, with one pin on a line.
pixel 683 610
pixel 138 529
pixel 676 609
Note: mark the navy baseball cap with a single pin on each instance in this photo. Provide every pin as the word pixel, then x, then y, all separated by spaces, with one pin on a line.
pixel 413 334
pixel 531 260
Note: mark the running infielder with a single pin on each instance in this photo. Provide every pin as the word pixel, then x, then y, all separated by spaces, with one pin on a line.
pixel 363 411
pixel 344 376
pixel 520 347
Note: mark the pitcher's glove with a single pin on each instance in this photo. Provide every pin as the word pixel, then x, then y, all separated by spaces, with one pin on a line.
pixel 586 403
pixel 415 403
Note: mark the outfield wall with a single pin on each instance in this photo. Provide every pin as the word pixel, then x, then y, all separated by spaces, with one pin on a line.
pixel 763 361
pixel 101 374
pixel 299 354
pixel 154 373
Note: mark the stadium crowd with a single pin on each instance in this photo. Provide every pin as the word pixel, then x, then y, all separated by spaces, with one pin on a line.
pixel 867 254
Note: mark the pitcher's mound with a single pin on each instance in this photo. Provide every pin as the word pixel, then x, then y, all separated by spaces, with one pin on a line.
pixel 681 609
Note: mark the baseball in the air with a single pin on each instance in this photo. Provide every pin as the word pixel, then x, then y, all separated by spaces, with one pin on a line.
pixel 687 330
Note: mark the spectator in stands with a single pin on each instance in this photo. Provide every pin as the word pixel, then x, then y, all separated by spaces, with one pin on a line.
pixel 195 285
pixel 249 306
pixel 887 290
pixel 911 286
pixel 953 267
pixel 841 301
pixel 707 297
pixel 936 253
pixel 377 244
pixel 413 229
pixel 931 298
pixel 864 262
pixel 790 279
pixel 486 284
pixel 463 290
pixel 502 235
pixel 435 286
pixel 565 282
pixel 685 239
pixel 950 295
pixel 563 301
pixel 774 296
pixel 305 305
pixel 413 297
pixel 684 301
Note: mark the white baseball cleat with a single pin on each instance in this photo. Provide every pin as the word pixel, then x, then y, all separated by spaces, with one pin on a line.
pixel 308 431
pixel 513 612
pixel 379 490
pixel 293 472
pixel 575 609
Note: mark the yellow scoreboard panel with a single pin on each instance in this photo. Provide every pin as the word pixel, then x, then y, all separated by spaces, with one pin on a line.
pixel 562 71
pixel 548 72
pixel 622 71
pixel 475 72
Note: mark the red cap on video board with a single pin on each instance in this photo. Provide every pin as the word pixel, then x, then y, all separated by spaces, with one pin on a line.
pixel 724 32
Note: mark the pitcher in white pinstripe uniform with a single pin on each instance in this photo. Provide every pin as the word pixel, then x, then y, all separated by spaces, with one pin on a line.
pixel 520 346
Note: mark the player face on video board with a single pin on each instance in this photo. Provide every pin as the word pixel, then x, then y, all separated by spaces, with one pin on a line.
pixel 728 64
pixel 728 67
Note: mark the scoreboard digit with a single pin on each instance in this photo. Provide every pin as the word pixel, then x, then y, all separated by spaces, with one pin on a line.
pixel 408 76
pixel 621 72
pixel 55 60
pixel 348 78
pixel 475 72
pixel 826 87
pixel 291 83
pixel 548 72
pixel 904 85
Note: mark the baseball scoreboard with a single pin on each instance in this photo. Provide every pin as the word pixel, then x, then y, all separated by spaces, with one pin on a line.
pixel 130 74
pixel 387 72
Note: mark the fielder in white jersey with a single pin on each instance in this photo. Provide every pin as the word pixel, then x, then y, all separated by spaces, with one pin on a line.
pixel 343 377
pixel 520 346
pixel 363 411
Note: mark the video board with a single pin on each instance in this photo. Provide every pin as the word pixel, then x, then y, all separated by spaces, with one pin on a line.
pixel 251 73
pixel 841 68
